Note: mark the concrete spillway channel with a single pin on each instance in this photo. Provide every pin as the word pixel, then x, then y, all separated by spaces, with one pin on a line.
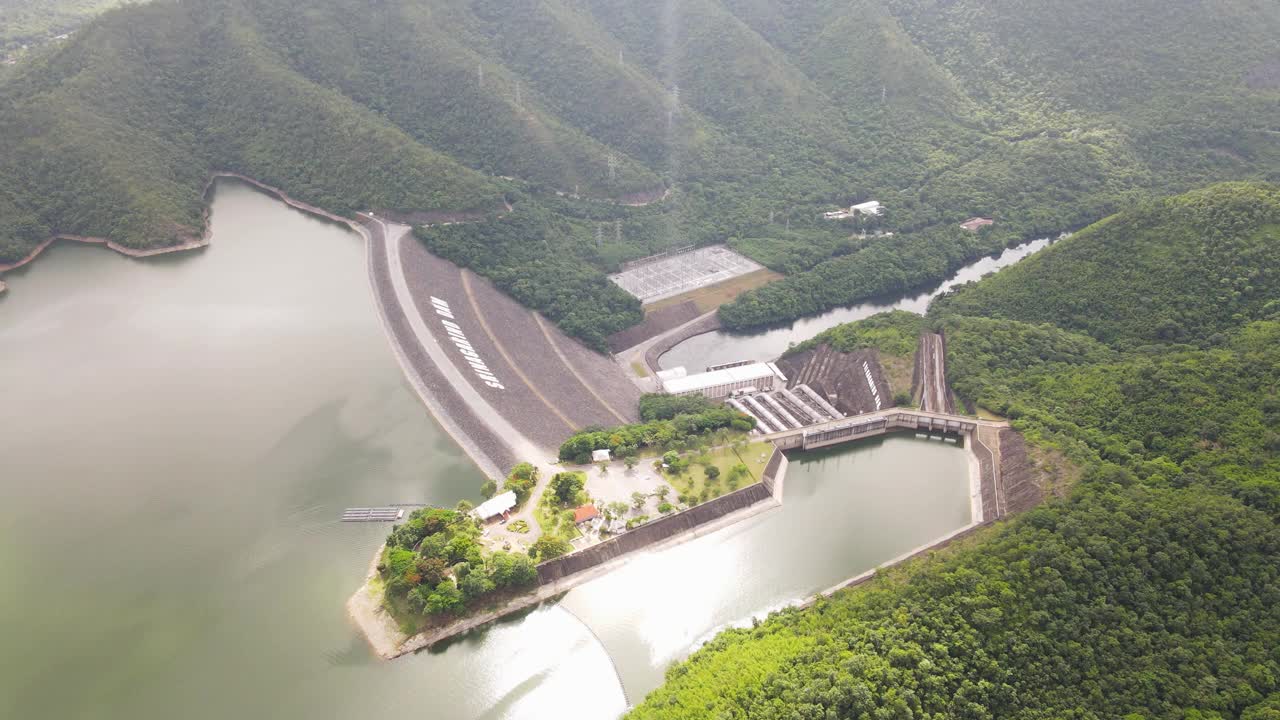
pixel 776 408
pixel 761 425
pixel 762 412
pixel 798 408
pixel 807 392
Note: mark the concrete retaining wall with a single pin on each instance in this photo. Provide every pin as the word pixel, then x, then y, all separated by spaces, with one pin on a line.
pixel 708 323
pixel 654 324
pixel 653 532
pixel 777 464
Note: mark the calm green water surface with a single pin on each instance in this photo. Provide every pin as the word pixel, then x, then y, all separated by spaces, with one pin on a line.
pixel 178 437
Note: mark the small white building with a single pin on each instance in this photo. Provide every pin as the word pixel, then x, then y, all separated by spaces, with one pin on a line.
pixel 600 456
pixel 870 207
pixel 725 382
pixel 496 506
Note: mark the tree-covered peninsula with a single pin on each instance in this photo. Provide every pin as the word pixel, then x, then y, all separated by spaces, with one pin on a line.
pixel 1150 586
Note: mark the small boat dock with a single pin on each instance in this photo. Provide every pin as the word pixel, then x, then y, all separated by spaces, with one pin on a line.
pixel 372 514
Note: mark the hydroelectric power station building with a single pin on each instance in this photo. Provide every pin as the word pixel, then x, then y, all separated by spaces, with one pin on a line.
pixel 722 383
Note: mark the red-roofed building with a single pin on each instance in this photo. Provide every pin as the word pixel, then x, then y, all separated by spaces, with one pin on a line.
pixel 585 513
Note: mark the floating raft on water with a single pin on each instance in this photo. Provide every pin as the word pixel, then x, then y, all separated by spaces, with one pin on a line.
pixel 374 514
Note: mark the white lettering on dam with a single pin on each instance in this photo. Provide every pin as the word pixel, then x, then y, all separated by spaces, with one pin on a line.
pixel 459 339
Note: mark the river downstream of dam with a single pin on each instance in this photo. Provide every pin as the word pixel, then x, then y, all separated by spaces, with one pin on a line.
pixel 180 436
pixel 722 346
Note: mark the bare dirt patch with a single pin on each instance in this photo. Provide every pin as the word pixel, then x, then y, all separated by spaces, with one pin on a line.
pixel 709 298
pixel 898 370
pixel 1056 472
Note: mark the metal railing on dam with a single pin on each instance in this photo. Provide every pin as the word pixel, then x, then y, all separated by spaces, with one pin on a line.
pixel 871 424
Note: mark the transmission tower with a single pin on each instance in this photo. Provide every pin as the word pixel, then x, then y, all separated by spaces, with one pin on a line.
pixel 613 166
pixel 480 74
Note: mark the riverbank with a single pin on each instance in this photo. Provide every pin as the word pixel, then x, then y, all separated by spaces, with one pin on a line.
pixel 714 345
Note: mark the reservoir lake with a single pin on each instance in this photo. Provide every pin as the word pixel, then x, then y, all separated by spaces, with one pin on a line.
pixel 179 436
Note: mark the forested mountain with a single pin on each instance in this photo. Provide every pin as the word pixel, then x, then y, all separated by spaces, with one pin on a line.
pixel 1149 588
pixel 755 116
pixel 31 22
pixel 1177 270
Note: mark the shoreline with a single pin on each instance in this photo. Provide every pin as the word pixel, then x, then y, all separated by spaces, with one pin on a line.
pixel 193 244
pixel 481 460
pixel 365 609
pixel 977 521
pixel 365 605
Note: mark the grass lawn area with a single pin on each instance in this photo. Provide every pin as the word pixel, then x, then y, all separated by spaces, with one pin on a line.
pixel 711 297
pixel 898 370
pixel 694 480
pixel 551 521
pixel 551 515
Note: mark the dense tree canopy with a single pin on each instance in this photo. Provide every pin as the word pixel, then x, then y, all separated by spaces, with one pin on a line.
pixel 1123 600
pixel 755 117
pixel 1180 270
pixel 1152 590
pixel 681 428
pixel 433 565
pixel 894 333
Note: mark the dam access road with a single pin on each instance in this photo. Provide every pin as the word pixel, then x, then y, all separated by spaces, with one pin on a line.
pixel 506 383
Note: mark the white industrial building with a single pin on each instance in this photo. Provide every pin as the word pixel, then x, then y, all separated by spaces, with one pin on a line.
pixel 726 381
pixel 496 506
pixel 672 374
pixel 870 207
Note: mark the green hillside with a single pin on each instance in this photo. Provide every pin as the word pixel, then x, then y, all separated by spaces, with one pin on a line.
pixel 1146 589
pixel 115 133
pixel 1178 270
pixel 31 22
pixel 754 117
